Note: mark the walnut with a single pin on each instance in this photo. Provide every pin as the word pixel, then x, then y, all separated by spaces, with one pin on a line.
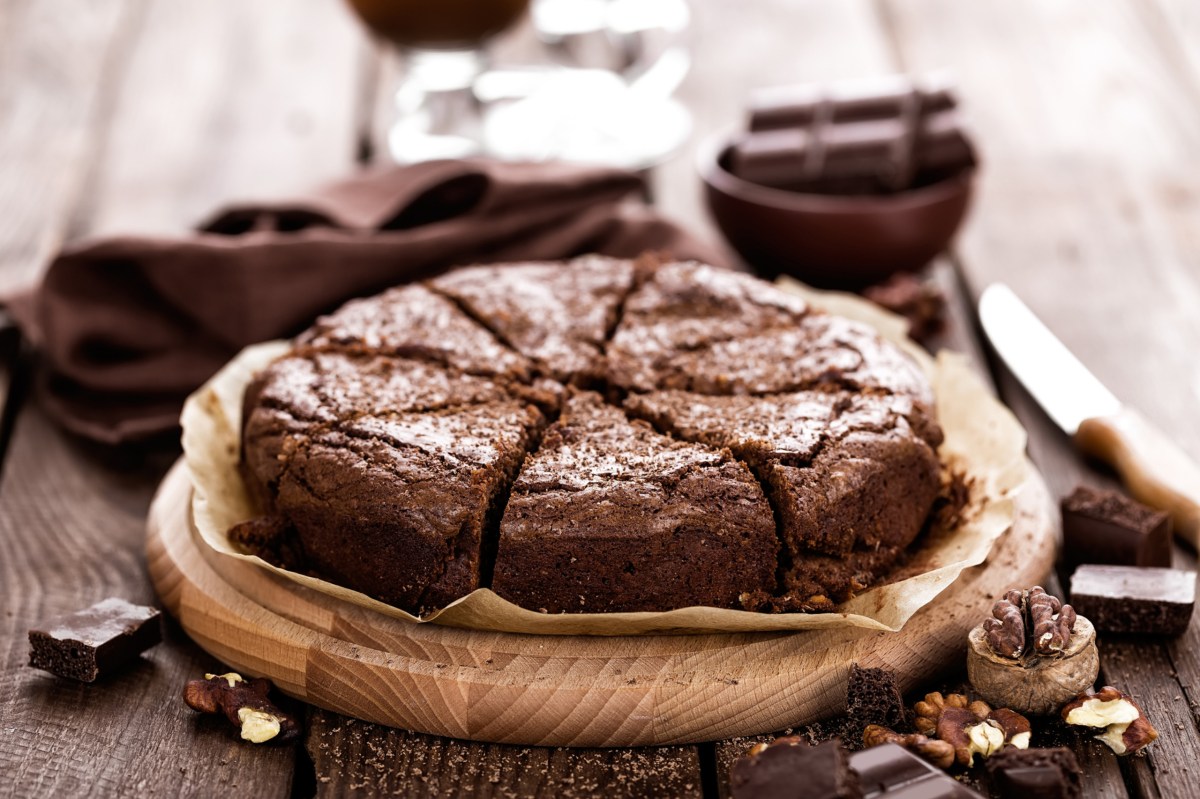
pixel 971 728
pixel 1017 729
pixel 762 746
pixel 244 703
pixel 939 753
pixel 1126 728
pixel 1053 660
pixel 1006 630
pixel 928 711
pixel 1053 622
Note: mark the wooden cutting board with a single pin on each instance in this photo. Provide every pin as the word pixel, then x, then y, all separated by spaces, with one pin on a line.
pixel 555 690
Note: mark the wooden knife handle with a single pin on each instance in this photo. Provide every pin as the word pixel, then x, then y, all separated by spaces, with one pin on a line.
pixel 1154 468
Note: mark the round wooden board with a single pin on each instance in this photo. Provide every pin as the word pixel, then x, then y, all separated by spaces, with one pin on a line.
pixel 557 690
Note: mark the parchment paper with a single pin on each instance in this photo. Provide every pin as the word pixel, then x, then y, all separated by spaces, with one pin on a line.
pixel 984 443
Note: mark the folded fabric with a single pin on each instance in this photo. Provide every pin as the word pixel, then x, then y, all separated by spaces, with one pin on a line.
pixel 128 326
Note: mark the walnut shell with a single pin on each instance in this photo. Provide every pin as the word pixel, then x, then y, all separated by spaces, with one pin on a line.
pixel 1034 684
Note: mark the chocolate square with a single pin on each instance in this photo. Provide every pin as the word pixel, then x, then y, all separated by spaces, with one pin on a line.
pixel 1108 527
pixel 892 772
pixel 1035 774
pixel 1130 599
pixel 95 641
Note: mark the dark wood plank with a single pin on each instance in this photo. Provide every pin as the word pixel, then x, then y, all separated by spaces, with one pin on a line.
pixel 1080 210
pixel 57 59
pixel 354 758
pixel 216 101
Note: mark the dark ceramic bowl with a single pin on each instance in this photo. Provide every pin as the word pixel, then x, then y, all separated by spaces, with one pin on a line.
pixel 832 241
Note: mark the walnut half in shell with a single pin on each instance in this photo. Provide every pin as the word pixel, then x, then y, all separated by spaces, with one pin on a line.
pixel 1030 676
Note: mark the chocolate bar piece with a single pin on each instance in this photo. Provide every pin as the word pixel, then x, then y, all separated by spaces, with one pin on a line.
pixel 1035 774
pixel 869 156
pixel 872 697
pixel 790 769
pixel 1134 599
pixel 96 641
pixel 892 772
pixel 1108 527
pixel 847 101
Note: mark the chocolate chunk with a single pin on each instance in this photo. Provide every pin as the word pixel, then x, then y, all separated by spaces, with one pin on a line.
pixel 872 697
pixel 94 642
pixel 922 304
pixel 1108 527
pixel 791 769
pixel 1035 774
pixel 1131 599
pixel 892 772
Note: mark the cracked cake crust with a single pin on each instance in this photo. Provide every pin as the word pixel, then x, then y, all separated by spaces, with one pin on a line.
pixel 557 317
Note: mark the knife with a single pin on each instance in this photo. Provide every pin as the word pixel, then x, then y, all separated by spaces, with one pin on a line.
pixel 1155 470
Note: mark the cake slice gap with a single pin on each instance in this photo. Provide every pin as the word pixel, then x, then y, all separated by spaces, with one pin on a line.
pixel 609 515
pixel 850 480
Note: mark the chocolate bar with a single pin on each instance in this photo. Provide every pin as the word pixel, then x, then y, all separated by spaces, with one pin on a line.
pixel 892 772
pixel 1108 527
pixel 1035 774
pixel 876 136
pixel 788 768
pixel 1134 599
pixel 96 641
pixel 881 97
pixel 868 156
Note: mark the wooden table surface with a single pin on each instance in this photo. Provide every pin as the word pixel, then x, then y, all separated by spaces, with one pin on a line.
pixel 121 115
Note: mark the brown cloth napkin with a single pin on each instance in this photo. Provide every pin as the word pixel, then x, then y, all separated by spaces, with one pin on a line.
pixel 128 326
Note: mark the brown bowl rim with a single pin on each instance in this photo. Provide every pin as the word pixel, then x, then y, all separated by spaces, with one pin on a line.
pixel 710 169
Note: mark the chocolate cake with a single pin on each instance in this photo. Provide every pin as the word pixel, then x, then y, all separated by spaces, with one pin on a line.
pixel 736 448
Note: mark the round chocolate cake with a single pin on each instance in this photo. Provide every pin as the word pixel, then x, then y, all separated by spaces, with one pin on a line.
pixel 590 436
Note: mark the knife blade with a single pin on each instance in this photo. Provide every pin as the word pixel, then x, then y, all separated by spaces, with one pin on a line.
pixel 1155 470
